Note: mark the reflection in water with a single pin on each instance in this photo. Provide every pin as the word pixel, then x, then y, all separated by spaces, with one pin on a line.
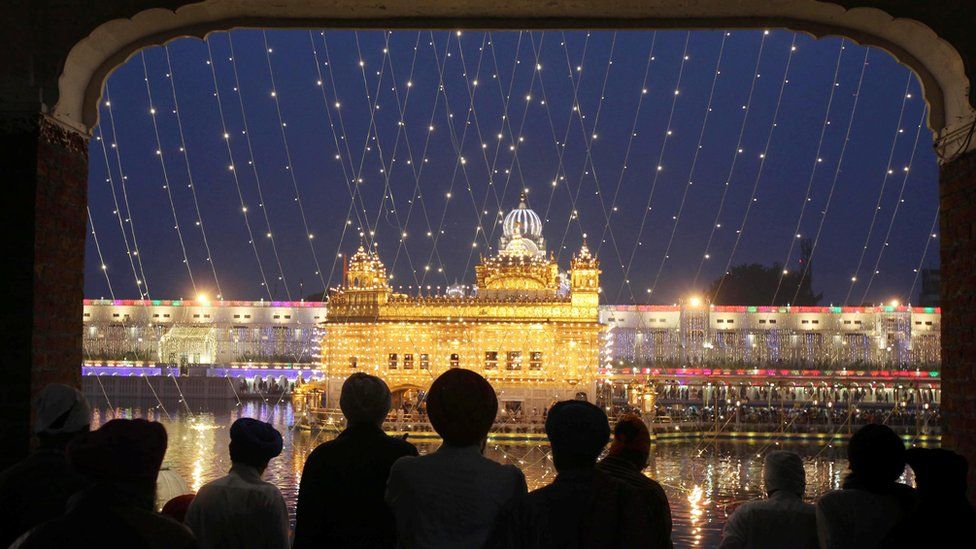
pixel 705 480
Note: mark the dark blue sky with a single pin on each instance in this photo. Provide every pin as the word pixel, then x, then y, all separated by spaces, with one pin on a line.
pixel 388 158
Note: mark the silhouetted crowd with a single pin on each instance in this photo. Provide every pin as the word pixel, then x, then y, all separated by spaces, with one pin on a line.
pixel 84 488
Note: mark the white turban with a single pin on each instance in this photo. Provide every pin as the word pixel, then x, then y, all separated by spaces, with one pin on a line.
pixel 60 409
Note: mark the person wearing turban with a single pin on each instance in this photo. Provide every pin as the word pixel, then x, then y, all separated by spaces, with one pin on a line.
pixel 780 520
pixel 241 510
pixel 340 499
pixel 37 488
pixel 626 460
pixel 451 497
pixel 583 506
pixel 121 460
pixel 948 517
pixel 871 502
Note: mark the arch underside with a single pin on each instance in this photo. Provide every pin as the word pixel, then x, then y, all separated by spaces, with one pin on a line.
pixel 937 64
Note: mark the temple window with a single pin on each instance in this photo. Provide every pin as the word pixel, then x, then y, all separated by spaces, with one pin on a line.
pixel 424 361
pixel 393 361
pixel 514 361
pixel 353 362
pixel 535 360
pixel 491 360
pixel 408 361
pixel 455 360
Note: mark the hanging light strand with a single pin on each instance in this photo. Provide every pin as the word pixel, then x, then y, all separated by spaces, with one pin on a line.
pixel 416 195
pixel 630 141
pixel 289 167
pixel 254 167
pixel 660 163
pixel 884 183
pixel 735 156
pixel 100 138
pixel 233 171
pixel 833 183
pixel 762 165
pixel 162 165
pixel 813 172
pixel 697 153
pixel 515 164
pixel 171 77
pixel 588 137
pixel 925 250
pixel 98 249
pixel 898 202
pixel 141 281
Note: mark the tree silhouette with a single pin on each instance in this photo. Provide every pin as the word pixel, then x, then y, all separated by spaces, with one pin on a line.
pixel 756 284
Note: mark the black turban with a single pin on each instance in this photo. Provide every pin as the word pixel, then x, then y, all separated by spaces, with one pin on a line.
pixel 939 473
pixel 254 442
pixel 461 406
pixel 577 432
pixel 123 450
pixel 876 454
pixel 364 399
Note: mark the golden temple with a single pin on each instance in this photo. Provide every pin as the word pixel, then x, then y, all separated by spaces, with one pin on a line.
pixel 532 331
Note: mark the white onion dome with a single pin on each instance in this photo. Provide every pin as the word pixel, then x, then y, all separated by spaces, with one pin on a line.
pixel 522 221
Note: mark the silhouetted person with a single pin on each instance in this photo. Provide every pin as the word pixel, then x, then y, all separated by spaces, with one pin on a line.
pixel 451 497
pixel 626 460
pixel 121 459
pixel 872 501
pixel 781 520
pixel 944 516
pixel 583 507
pixel 37 488
pixel 177 507
pixel 240 510
pixel 340 500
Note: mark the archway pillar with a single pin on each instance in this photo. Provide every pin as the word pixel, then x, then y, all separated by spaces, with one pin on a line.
pixel 44 201
pixel 957 199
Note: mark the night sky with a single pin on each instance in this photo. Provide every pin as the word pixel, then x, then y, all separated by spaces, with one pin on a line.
pixel 414 181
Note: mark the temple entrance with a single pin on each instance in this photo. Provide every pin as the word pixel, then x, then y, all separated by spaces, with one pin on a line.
pixel 407 399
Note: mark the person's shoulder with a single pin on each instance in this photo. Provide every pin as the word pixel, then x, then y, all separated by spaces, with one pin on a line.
pixel 401 446
pixel 162 530
pixel 409 464
pixel 835 499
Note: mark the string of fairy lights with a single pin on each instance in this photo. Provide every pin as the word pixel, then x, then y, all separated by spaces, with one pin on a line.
pixel 817 160
pixel 237 183
pixel 245 131
pixel 738 150
pixel 668 132
pixel 132 253
pixel 389 80
pixel 762 163
pixel 694 161
pixel 805 271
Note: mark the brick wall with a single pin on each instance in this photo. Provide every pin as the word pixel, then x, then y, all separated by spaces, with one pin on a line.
pixel 957 197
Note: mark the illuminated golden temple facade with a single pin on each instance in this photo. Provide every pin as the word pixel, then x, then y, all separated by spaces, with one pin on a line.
pixel 532 331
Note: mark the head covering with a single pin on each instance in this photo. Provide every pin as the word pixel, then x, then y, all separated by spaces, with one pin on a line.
pixel 169 485
pixel 122 450
pixel 938 472
pixel 461 406
pixel 784 471
pixel 876 454
pixel 577 431
pixel 176 508
pixel 254 442
pixel 630 438
pixel 60 409
pixel 364 399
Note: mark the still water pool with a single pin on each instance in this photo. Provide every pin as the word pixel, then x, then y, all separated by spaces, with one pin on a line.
pixel 704 480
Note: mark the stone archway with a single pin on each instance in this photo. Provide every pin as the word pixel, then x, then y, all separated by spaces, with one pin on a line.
pixel 61 54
